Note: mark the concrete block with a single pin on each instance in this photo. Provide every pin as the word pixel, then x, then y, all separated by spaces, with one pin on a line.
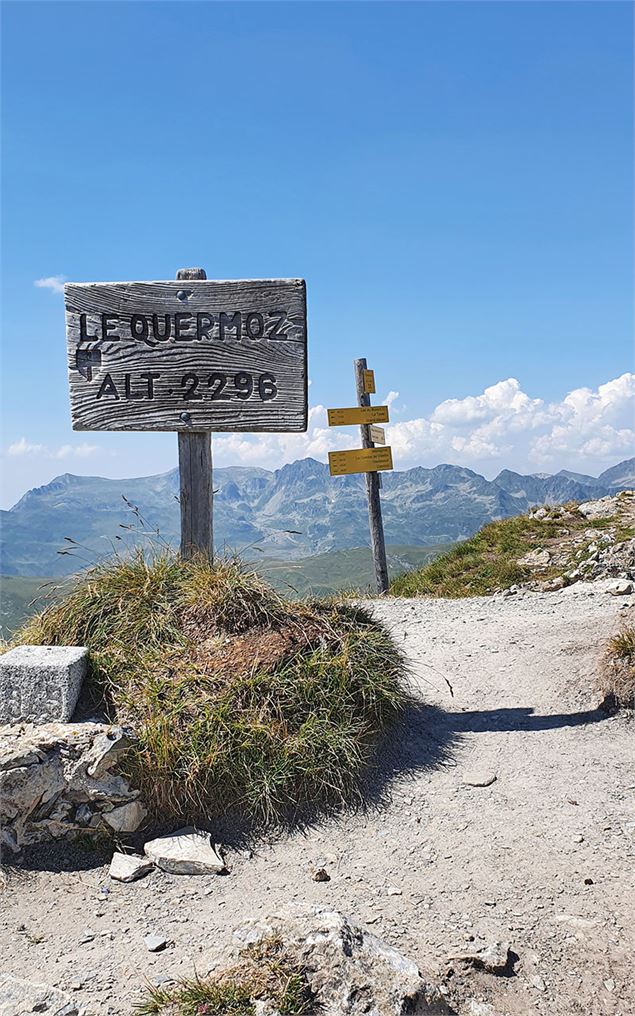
pixel 41 684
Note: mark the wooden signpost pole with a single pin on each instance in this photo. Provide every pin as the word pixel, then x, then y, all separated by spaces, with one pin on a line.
pixel 372 489
pixel 195 477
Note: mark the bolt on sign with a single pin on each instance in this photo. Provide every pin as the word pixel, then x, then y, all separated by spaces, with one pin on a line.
pixel 188 355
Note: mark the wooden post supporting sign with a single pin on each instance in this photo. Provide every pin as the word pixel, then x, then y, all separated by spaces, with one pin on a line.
pixel 368 459
pixel 195 478
pixel 372 486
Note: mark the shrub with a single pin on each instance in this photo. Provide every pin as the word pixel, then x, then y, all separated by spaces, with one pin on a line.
pixel 617 669
pixel 241 701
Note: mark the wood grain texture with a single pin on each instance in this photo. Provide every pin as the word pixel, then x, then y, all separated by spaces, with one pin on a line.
pixel 195 482
pixel 373 481
pixel 195 479
pixel 119 333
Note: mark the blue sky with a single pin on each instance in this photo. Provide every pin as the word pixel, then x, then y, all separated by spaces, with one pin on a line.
pixel 453 180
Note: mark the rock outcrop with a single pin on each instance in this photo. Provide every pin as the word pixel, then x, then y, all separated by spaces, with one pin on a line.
pixel 58 780
pixel 350 971
pixel 18 997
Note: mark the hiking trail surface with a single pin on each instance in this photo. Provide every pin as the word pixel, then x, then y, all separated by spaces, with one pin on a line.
pixel 541 857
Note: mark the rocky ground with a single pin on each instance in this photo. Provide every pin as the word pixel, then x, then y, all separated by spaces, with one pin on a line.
pixel 505 813
pixel 595 540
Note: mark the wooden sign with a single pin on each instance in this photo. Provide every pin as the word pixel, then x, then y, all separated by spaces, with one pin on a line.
pixel 357 414
pixel 377 435
pixel 359 460
pixel 189 355
pixel 369 382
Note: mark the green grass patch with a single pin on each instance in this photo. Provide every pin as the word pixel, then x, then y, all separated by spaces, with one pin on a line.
pixel 265 973
pixel 242 701
pixel 486 562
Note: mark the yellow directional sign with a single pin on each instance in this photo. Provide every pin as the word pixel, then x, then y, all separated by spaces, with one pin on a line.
pixel 377 435
pixel 357 414
pixel 359 460
pixel 369 382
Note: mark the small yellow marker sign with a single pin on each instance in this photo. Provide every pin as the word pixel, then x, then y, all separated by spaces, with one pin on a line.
pixel 359 460
pixel 369 382
pixel 377 435
pixel 357 414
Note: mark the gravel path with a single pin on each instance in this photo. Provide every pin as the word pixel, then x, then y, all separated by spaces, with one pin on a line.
pixel 541 857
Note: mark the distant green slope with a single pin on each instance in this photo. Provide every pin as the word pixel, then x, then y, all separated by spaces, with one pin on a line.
pixel 320 575
pixel 21 596
pixel 323 574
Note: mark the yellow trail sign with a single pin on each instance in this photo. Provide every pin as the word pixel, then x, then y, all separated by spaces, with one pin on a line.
pixel 377 435
pixel 357 414
pixel 359 460
pixel 369 381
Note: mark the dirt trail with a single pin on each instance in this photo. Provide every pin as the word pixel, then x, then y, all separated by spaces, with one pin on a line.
pixel 542 857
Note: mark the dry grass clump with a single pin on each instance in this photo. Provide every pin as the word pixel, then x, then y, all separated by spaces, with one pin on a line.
pixel 265 973
pixel 242 701
pixel 617 669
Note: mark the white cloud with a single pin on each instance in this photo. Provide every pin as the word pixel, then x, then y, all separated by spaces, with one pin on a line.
pixel 503 426
pixel 53 282
pixel 22 448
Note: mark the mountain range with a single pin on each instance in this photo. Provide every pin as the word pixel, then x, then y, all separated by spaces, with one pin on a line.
pixel 290 513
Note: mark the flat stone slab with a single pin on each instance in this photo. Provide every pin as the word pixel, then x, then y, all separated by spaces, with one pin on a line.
pixel 129 867
pixel 186 852
pixel 41 684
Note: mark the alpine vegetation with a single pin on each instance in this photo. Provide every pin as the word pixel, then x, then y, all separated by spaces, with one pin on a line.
pixel 242 701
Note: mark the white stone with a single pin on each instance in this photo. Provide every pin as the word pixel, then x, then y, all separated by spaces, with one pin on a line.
pixel 19 997
pixel 127 818
pixel 535 559
pixel 479 778
pixel 155 943
pixel 129 867
pixel 494 957
pixel 185 852
pixel 621 587
pixel 41 684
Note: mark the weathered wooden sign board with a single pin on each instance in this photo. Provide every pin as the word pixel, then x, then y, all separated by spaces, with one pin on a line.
pixel 359 460
pixel 189 355
pixel 377 435
pixel 357 414
pixel 369 382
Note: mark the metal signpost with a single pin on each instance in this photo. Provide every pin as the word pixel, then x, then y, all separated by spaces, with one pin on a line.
pixel 193 356
pixel 368 459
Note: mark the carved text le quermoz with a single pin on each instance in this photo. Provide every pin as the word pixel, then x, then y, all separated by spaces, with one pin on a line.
pixel 195 355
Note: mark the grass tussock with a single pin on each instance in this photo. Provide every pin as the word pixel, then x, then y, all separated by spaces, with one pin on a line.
pixel 617 669
pixel 486 562
pixel 242 701
pixel 265 973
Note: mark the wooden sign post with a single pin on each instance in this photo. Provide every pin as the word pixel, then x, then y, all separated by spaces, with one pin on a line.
pixel 372 486
pixel 368 459
pixel 194 356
